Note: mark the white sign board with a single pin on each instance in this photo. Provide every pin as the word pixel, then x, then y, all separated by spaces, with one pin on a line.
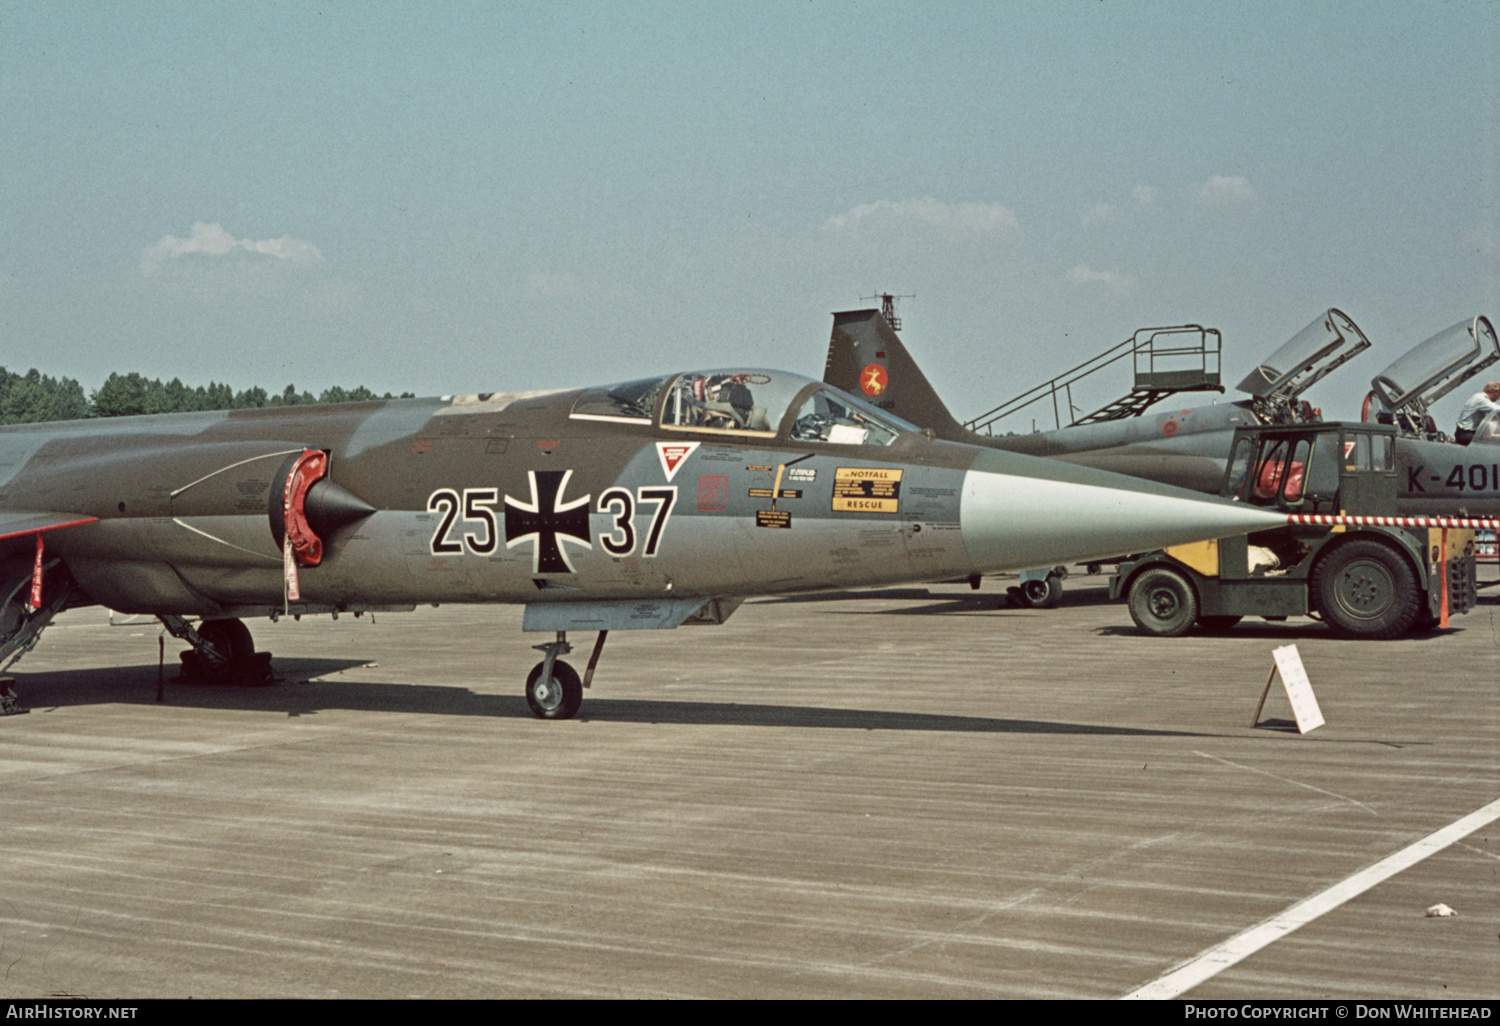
pixel 1298 689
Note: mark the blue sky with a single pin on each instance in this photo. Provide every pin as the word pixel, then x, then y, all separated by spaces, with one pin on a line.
pixel 473 197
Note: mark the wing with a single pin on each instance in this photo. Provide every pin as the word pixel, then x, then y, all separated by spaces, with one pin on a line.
pixel 15 524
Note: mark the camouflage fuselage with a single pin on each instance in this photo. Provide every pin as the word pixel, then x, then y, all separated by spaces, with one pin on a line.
pixel 519 497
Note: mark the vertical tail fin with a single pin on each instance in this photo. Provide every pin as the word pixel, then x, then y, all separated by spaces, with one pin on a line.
pixel 867 359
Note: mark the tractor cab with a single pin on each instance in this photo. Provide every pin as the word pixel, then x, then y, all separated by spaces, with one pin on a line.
pixel 1374 581
pixel 1314 468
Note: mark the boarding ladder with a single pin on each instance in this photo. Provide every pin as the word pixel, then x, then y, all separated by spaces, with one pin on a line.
pixel 1181 358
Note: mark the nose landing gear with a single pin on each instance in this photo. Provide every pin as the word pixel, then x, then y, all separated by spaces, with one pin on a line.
pixel 553 690
pixel 553 694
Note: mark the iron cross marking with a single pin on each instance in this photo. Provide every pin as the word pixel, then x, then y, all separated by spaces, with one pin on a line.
pixel 547 521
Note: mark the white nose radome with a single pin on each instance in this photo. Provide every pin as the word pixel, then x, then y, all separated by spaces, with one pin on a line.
pixel 1014 521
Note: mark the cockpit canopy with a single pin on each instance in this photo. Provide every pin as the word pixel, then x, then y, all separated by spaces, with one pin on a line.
pixel 1435 367
pixel 744 402
pixel 1312 353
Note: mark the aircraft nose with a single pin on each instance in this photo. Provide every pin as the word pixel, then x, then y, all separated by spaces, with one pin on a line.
pixel 1019 512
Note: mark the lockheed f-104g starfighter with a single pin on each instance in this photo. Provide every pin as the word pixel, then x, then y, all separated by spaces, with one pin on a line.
pixel 648 504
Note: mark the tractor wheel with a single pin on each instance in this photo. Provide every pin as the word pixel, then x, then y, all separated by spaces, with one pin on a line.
pixel 1162 602
pixel 1366 589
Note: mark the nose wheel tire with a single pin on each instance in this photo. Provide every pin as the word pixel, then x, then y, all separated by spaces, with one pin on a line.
pixel 1163 602
pixel 556 698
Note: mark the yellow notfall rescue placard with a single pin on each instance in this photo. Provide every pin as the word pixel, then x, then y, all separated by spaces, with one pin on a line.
pixel 866 490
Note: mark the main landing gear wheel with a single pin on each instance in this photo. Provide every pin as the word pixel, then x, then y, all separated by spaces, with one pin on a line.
pixel 222 653
pixel 1162 602
pixel 232 647
pixel 1364 589
pixel 556 698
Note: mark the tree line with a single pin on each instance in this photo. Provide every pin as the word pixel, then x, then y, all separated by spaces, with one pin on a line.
pixel 33 397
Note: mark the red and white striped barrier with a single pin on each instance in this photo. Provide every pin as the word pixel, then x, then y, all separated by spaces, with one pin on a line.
pixel 1447 522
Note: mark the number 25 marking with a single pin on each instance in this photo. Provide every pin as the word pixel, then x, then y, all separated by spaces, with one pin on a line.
pixel 477 505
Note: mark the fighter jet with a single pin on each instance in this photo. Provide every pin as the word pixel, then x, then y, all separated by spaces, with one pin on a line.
pixel 1435 476
pixel 1186 447
pixel 643 505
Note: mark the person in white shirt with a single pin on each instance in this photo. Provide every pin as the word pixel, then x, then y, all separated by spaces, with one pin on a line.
pixel 1480 406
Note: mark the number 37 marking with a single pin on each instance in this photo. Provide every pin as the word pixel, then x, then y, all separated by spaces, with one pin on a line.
pixel 620 504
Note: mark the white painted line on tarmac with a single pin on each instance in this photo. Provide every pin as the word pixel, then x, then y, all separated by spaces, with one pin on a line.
pixel 1215 960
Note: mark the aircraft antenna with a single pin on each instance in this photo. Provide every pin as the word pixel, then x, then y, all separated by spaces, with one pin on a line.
pixel 888 307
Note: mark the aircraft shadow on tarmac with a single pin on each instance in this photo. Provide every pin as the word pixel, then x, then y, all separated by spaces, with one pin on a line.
pixel 304 689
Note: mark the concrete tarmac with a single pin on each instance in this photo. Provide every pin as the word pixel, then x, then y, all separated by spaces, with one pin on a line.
pixel 900 793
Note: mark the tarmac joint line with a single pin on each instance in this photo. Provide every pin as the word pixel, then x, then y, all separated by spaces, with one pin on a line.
pixel 1289 780
pixel 1215 960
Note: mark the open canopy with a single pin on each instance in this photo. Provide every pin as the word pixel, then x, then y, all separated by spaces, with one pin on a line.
pixel 1435 367
pixel 1312 352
